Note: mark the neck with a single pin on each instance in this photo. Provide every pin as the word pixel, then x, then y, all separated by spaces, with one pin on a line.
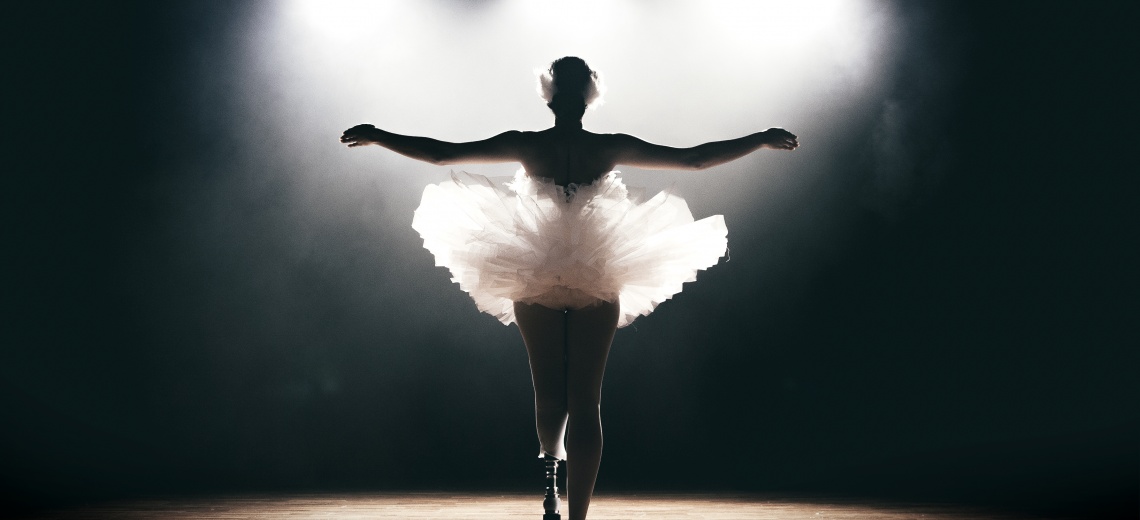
pixel 574 124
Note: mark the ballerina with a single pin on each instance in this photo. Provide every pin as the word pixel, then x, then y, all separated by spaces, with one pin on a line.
pixel 564 251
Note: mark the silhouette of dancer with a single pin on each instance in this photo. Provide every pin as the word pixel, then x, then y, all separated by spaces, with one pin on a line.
pixel 564 251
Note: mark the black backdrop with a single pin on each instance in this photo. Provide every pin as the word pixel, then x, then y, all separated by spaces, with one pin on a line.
pixel 981 349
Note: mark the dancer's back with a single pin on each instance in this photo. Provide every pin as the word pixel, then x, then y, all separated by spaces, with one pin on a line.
pixel 567 155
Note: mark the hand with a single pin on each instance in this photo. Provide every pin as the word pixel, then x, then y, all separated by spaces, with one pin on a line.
pixel 359 135
pixel 780 139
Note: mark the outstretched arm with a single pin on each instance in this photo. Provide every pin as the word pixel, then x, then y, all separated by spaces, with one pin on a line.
pixel 635 152
pixel 501 148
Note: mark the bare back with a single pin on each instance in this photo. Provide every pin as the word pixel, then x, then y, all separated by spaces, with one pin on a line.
pixel 566 155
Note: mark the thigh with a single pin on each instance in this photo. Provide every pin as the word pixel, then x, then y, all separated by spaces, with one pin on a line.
pixel 589 333
pixel 544 334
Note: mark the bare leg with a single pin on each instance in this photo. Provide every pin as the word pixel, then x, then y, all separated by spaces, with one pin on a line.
pixel 544 333
pixel 569 389
pixel 589 333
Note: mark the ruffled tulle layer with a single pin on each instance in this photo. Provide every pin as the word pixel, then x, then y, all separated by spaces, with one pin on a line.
pixel 530 240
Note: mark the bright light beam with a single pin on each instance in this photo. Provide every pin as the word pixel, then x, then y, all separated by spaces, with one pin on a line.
pixel 678 73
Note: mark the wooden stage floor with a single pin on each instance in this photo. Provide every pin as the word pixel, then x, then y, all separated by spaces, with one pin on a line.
pixel 511 506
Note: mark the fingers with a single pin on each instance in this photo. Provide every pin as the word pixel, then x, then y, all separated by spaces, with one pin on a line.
pixel 783 139
pixel 355 133
pixel 352 132
pixel 354 136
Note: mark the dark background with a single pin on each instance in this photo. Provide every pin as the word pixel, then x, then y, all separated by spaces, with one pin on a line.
pixel 978 346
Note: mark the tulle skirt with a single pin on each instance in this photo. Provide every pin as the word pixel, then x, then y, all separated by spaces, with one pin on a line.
pixel 530 240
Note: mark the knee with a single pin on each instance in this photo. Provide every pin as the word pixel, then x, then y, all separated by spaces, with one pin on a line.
pixel 550 407
pixel 586 404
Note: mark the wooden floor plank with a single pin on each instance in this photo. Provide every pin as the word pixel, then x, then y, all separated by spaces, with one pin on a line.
pixel 509 506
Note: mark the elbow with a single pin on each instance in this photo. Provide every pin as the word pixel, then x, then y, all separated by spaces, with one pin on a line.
pixel 439 159
pixel 700 158
pixel 696 161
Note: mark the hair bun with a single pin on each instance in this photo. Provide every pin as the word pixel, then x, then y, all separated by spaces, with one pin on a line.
pixel 570 76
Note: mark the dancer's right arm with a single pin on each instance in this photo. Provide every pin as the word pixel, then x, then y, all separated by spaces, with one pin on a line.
pixel 500 148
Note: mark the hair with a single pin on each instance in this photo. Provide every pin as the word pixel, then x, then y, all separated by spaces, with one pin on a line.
pixel 569 86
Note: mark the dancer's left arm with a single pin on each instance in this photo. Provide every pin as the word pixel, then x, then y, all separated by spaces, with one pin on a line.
pixel 500 148
pixel 631 151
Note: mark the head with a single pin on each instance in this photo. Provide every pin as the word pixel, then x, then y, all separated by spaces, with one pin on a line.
pixel 568 87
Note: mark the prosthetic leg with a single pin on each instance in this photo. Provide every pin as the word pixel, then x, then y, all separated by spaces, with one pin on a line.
pixel 551 503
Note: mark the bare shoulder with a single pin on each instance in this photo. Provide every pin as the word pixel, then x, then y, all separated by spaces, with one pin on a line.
pixel 619 145
pixel 607 137
pixel 523 136
pixel 511 140
pixel 607 140
pixel 512 135
pixel 618 140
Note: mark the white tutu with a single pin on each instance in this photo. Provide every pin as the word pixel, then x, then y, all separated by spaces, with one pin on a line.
pixel 532 241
